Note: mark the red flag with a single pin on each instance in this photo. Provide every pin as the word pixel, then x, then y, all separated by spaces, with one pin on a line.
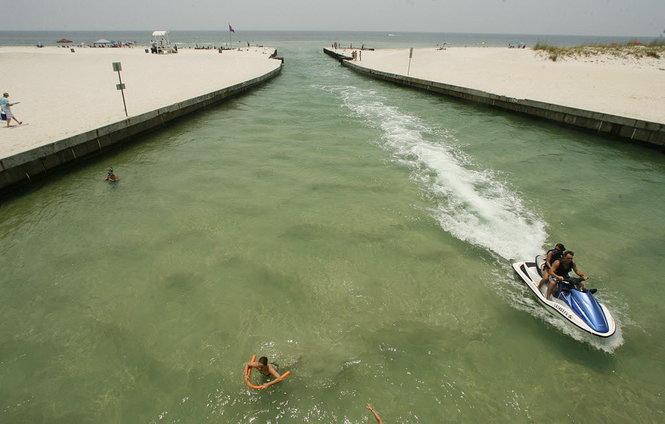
pixel 231 28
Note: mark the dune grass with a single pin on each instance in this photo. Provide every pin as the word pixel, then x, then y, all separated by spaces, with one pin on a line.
pixel 632 49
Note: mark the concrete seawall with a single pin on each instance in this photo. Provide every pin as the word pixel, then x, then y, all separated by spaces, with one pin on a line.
pixel 24 168
pixel 336 55
pixel 649 133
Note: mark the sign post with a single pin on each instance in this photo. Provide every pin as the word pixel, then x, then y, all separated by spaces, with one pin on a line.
pixel 117 67
pixel 408 71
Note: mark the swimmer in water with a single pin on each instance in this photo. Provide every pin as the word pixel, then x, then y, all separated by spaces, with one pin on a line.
pixel 110 176
pixel 265 368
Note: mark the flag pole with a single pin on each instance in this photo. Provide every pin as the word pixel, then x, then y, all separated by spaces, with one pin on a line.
pixel 408 71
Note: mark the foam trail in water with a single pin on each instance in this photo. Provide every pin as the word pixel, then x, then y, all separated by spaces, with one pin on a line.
pixel 472 205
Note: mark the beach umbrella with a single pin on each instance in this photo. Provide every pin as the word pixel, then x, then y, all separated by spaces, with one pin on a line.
pixel 64 41
pixel 102 41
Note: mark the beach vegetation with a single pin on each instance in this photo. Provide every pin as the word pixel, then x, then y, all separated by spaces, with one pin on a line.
pixel 634 49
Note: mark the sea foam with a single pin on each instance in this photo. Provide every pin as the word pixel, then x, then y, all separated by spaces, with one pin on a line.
pixel 472 204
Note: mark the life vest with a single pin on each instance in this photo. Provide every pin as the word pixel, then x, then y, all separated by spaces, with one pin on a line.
pixel 556 255
pixel 563 270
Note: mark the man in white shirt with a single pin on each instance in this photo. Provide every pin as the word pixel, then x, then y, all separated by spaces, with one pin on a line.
pixel 5 107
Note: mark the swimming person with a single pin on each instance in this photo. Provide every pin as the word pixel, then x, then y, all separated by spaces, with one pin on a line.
pixel 265 368
pixel 377 417
pixel 110 176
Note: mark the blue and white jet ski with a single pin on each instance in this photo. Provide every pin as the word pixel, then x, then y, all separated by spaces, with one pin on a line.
pixel 579 307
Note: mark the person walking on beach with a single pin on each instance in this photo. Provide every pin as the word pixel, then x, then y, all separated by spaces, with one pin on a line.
pixel 5 107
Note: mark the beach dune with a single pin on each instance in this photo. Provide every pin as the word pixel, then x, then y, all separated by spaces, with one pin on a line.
pixel 629 87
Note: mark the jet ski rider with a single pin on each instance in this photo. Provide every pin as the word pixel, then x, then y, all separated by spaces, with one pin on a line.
pixel 551 256
pixel 559 273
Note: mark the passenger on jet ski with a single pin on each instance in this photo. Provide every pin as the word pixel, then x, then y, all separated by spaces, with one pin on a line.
pixel 559 273
pixel 552 256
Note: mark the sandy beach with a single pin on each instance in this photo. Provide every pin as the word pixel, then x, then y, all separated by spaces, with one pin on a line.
pixel 64 93
pixel 621 86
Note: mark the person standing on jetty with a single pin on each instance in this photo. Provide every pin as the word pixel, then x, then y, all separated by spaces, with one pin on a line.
pixel 5 107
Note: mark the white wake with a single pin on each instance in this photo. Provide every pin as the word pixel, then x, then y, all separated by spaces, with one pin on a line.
pixel 471 204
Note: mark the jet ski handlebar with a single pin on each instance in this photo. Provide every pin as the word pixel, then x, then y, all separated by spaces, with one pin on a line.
pixel 574 282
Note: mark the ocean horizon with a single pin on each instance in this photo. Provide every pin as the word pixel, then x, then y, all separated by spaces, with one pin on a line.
pixel 369 38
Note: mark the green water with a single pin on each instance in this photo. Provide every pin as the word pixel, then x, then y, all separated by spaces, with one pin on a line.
pixel 357 233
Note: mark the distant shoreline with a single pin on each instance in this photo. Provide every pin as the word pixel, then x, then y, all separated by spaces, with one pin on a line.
pixel 370 38
pixel 317 31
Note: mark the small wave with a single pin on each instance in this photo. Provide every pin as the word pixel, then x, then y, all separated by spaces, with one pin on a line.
pixel 471 204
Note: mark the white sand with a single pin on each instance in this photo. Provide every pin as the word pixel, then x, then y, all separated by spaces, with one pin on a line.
pixel 625 87
pixel 64 93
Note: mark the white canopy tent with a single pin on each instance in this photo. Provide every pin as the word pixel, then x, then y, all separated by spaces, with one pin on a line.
pixel 161 43
pixel 102 42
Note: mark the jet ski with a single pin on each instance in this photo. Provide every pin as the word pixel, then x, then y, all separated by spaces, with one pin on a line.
pixel 579 307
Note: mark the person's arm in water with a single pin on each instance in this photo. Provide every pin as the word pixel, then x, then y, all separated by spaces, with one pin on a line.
pixel 377 417
pixel 273 371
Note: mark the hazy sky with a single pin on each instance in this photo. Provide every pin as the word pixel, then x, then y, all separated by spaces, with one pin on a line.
pixel 583 17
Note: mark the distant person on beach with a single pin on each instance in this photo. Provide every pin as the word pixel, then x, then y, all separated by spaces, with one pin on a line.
pixel 110 176
pixel 5 108
pixel 377 417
